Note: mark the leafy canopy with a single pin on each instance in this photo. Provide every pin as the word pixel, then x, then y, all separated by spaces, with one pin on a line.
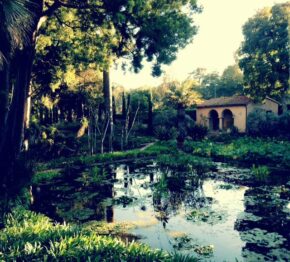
pixel 264 54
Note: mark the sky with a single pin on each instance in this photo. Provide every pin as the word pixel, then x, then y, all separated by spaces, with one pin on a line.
pixel 218 38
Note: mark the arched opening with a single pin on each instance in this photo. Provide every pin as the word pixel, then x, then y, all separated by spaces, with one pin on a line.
pixel 213 120
pixel 228 119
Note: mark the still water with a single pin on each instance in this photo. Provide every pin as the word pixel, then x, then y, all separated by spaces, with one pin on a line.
pixel 222 216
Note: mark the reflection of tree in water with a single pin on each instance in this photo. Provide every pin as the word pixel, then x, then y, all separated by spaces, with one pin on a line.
pixel 264 225
pixel 77 196
pixel 174 190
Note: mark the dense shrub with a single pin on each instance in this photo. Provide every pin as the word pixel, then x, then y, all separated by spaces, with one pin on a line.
pixel 267 124
pixel 165 133
pixel 53 142
pixel 197 132
pixel 167 118
pixel 284 124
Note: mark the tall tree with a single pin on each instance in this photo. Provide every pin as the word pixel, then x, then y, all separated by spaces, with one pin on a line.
pixel 180 95
pixel 152 30
pixel 264 53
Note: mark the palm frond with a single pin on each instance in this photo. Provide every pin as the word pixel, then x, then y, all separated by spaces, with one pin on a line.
pixel 16 20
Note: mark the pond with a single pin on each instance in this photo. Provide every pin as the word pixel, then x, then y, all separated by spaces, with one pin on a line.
pixel 223 215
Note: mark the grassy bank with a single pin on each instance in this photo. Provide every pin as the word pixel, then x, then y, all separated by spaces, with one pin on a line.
pixel 247 150
pixel 250 151
pixel 28 236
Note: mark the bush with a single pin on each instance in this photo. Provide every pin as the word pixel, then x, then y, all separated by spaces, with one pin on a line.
pixel 166 118
pixel 164 133
pixel 284 124
pixel 263 124
pixel 197 132
pixel 54 142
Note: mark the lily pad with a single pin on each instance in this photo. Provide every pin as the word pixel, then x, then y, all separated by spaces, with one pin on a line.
pixel 262 238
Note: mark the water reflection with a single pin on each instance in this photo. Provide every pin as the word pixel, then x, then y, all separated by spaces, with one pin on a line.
pixel 199 215
pixel 264 225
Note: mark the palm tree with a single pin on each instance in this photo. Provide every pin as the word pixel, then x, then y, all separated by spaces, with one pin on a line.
pixel 15 25
pixel 181 95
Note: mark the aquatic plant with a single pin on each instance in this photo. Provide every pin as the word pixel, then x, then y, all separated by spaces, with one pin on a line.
pixel 206 215
pixel 185 163
pixel 260 173
pixel 244 149
pixel 185 242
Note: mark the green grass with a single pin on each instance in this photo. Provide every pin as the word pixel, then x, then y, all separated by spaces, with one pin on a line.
pixel 186 162
pixel 45 175
pixel 28 236
pixel 154 150
pixel 248 150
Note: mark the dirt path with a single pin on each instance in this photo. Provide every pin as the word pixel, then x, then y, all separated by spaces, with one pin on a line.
pixel 146 146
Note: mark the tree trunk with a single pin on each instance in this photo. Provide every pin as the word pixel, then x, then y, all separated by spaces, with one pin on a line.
pixel 107 88
pixel 12 122
pixel 150 115
pixel 114 109
pixel 13 134
pixel 4 97
pixel 127 121
pixel 27 113
pixel 181 125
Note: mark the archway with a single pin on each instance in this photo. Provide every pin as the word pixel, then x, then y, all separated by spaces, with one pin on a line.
pixel 228 119
pixel 213 120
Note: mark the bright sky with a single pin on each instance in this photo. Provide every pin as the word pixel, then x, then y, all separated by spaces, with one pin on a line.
pixel 218 38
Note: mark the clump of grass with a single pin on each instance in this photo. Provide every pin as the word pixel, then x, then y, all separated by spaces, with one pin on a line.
pixel 260 173
pixel 45 175
pixel 185 162
pixel 28 236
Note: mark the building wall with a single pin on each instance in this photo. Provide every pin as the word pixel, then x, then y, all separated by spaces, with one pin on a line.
pixel 267 105
pixel 239 114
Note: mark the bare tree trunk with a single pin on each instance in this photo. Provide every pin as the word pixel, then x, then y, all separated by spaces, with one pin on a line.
pixel 150 115
pixel 127 121
pixel 107 88
pixel 104 135
pixel 181 125
pixel 132 125
pixel 27 113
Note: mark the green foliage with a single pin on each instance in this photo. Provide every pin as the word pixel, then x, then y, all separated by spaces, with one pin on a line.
pixel 267 124
pixel 54 141
pixel 167 118
pixel 181 94
pixel 152 151
pixel 16 20
pixel 260 172
pixel 185 162
pixel 246 149
pixel 165 134
pixel 40 177
pixel 264 54
pixel 28 236
pixel 211 84
pixel 197 132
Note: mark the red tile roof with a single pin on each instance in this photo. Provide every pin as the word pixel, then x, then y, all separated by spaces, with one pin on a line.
pixel 226 101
